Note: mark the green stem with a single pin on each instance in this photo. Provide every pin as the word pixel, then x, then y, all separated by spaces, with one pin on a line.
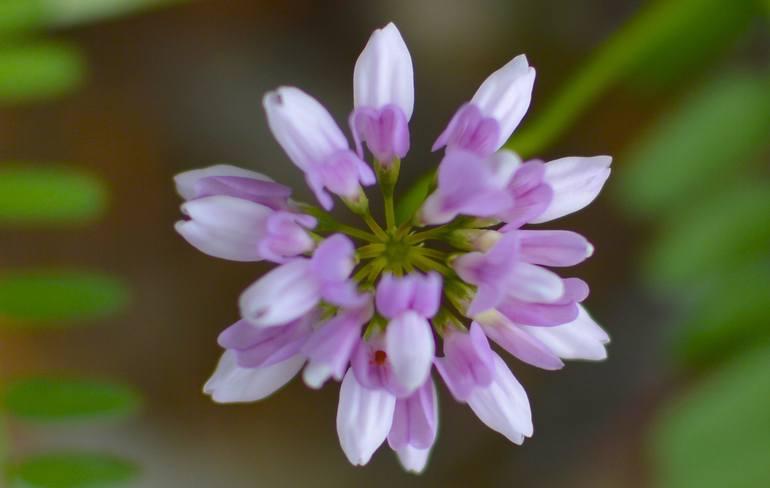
pixel 327 222
pixel 431 253
pixel 373 225
pixel 388 177
pixel 434 233
pixel 424 263
pixel 370 251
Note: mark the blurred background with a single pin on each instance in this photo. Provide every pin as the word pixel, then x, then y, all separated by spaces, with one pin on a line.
pixel 108 319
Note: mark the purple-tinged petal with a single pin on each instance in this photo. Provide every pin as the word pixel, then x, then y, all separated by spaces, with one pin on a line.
pixel 506 94
pixel 518 342
pixel 385 131
pixel 286 236
pixel 576 181
pixel 553 247
pixel 331 346
pixel 394 295
pixel 426 298
pixel 503 405
pixel 267 193
pixel 303 127
pixel 562 311
pixel 415 419
pixel 412 459
pixel 531 195
pixel 280 296
pixel 470 130
pixel 383 74
pixel 580 339
pixel 529 282
pixel 225 227
pixel 257 346
pixel 315 144
pixel 467 363
pixel 333 261
pixel 410 347
pixel 187 182
pixel 416 292
pixel 231 383
pixel 371 365
pixel 364 417
pixel 470 185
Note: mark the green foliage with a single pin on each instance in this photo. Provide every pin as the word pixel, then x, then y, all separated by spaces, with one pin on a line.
pixel 66 399
pixel 710 139
pixel 20 15
pixel 712 237
pixel 412 199
pixel 664 35
pixel 730 314
pixel 34 298
pixel 718 435
pixel 72 470
pixel 38 71
pixel 48 195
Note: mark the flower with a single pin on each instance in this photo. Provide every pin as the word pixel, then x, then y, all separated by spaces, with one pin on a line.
pixel 378 308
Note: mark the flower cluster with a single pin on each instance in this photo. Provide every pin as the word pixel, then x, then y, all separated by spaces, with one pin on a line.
pixel 378 309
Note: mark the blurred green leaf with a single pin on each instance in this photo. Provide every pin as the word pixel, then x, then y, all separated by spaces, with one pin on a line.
pixel 408 203
pixel 731 314
pixel 718 435
pixel 48 195
pixel 20 15
pixel 656 32
pixel 707 30
pixel 713 236
pixel 66 399
pixel 694 150
pixel 49 297
pixel 73 470
pixel 73 12
pixel 30 72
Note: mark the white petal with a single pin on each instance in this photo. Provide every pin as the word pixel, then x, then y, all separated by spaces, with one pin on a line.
pixel 505 95
pixel 185 182
pixel 580 339
pixel 503 406
pixel 233 384
pixel 280 296
pixel 364 418
pixel 224 227
pixel 316 374
pixel 532 283
pixel 302 126
pixel 410 347
pixel 215 244
pixel 383 74
pixel 412 459
pixel 576 181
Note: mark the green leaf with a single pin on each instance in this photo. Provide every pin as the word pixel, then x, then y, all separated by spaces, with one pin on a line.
pixel 73 470
pixel 698 147
pixel 711 237
pixel 731 314
pixel 410 202
pixel 707 31
pixel 20 15
pixel 68 13
pixel 718 435
pixel 654 32
pixel 31 72
pixel 48 195
pixel 38 297
pixel 66 399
